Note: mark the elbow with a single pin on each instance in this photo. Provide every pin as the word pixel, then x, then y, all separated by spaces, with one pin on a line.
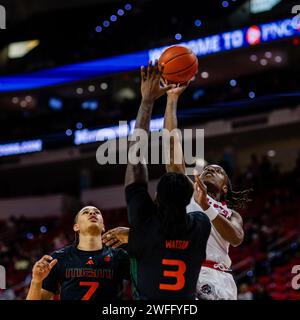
pixel 174 168
pixel 238 239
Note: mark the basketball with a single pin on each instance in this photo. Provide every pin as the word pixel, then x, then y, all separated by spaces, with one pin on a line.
pixel 180 64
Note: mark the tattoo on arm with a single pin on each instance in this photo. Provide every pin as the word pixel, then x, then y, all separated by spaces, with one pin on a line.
pixel 139 172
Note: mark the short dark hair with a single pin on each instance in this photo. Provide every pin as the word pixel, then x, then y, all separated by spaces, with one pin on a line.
pixel 174 192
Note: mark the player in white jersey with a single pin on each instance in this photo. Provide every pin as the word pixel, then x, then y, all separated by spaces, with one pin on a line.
pixel 215 280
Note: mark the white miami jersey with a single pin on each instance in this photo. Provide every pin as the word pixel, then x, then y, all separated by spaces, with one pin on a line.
pixel 217 248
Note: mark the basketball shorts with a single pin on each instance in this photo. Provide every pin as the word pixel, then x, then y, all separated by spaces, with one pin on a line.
pixel 215 285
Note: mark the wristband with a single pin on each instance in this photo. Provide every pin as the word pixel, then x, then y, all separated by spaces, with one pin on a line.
pixel 211 212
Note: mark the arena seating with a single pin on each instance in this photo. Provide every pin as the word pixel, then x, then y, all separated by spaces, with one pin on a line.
pixel 264 261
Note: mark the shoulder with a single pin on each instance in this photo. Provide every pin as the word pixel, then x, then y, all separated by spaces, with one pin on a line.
pixel 118 253
pixel 200 224
pixel 135 190
pixel 200 218
pixel 136 186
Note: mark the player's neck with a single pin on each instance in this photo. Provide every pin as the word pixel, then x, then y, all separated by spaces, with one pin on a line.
pixel 213 192
pixel 90 243
pixel 214 196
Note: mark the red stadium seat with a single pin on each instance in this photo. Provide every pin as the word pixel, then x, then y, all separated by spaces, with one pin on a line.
pixel 294 295
pixel 279 296
pixel 264 280
pixel 279 278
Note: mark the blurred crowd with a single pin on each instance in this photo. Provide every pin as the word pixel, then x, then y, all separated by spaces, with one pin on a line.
pixel 262 264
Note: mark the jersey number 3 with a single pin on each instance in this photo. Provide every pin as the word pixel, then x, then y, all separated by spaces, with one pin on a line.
pixel 178 274
pixel 93 286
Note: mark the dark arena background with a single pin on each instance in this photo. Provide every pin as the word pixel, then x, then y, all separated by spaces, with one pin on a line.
pixel 70 69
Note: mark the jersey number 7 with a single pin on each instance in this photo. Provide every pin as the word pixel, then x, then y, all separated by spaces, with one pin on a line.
pixel 178 274
pixel 93 287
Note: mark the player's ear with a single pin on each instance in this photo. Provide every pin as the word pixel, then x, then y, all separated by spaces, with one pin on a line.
pixel 103 230
pixel 76 227
pixel 225 188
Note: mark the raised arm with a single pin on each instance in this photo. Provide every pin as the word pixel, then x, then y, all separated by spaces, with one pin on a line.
pixel 150 90
pixel 40 271
pixel 231 229
pixel 170 123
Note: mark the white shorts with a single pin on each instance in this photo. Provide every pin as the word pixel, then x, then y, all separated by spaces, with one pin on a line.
pixel 215 285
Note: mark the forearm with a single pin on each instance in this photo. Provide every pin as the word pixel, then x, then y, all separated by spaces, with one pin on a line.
pixel 171 123
pixel 138 172
pixel 35 291
pixel 230 232
pixel 170 120
pixel 144 116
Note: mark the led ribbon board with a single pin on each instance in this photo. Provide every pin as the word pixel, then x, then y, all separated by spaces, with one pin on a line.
pixel 239 38
pixel 226 41
pixel 21 147
pixel 123 130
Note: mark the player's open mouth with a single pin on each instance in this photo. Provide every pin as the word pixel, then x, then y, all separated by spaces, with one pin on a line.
pixel 208 174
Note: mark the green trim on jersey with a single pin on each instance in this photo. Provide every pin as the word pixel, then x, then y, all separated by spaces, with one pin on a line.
pixel 134 273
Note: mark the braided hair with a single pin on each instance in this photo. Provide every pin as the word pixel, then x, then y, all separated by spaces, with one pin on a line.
pixel 236 199
pixel 174 192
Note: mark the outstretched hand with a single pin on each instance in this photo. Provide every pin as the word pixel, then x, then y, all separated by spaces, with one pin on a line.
pixel 177 90
pixel 116 237
pixel 200 194
pixel 150 86
pixel 42 268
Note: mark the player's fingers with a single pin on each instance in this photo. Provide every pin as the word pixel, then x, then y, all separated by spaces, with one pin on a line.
pixel 185 85
pixel 156 68
pixel 161 70
pixel 196 188
pixel 47 258
pixel 109 234
pixel 117 244
pixel 143 73
pixel 111 242
pixel 53 263
pixel 40 264
pixel 168 87
pixel 40 270
pixel 200 183
pixel 163 82
pixel 149 70
pixel 106 235
pixel 197 179
pixel 44 264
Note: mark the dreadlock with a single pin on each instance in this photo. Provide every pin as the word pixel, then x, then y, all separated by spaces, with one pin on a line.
pixel 236 199
pixel 174 192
